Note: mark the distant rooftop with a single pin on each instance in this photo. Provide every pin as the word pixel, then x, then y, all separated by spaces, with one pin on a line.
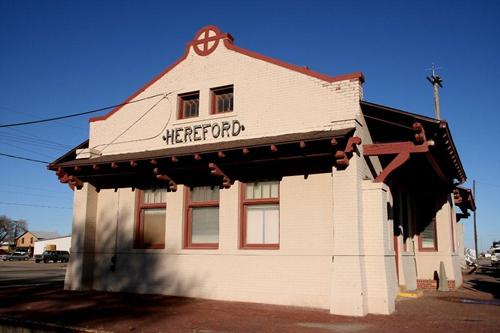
pixel 45 234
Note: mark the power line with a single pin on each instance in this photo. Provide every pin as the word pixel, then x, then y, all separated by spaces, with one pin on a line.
pixel 78 114
pixel 23 158
pixel 32 205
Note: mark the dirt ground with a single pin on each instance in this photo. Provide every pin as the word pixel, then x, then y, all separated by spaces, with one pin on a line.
pixel 473 308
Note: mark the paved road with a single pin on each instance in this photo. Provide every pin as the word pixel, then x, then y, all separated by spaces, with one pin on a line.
pixel 28 273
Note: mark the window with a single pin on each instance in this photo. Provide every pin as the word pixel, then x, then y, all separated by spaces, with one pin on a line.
pixel 31 241
pixel 189 105
pixel 428 239
pixel 150 219
pixel 22 240
pixel 202 218
pixel 260 215
pixel 222 99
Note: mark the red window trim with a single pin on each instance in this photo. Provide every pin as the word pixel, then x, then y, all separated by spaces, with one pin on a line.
pixel 213 102
pixel 139 221
pixel 244 203
pixel 429 249
pixel 180 104
pixel 188 212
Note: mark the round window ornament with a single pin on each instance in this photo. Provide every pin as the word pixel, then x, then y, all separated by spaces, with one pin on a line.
pixel 207 40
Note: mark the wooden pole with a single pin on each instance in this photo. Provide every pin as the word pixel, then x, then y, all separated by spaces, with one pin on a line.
pixel 475 225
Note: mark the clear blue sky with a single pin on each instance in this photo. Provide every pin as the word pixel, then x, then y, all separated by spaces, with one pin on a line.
pixel 60 57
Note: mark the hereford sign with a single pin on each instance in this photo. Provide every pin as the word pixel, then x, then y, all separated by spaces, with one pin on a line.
pixel 202 132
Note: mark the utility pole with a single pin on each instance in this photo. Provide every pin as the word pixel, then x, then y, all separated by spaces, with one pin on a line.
pixel 436 82
pixel 475 226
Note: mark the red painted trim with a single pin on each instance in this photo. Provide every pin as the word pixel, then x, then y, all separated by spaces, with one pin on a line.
pixel 140 206
pixel 398 161
pixel 180 104
pixel 244 203
pixel 188 221
pixel 228 42
pixel 357 75
pixel 214 92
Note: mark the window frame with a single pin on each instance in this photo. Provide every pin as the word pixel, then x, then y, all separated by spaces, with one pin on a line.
pixel 189 204
pixel 214 92
pixel 244 203
pixel 180 104
pixel 140 207
pixel 434 248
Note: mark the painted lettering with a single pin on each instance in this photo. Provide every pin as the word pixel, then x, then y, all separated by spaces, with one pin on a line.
pixel 188 131
pixel 196 129
pixel 225 128
pixel 215 130
pixel 237 128
pixel 205 130
pixel 178 134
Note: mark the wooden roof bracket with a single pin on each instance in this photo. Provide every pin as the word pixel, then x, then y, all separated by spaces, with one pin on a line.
pixel 172 186
pixel 342 156
pixel 72 181
pixel 216 171
pixel 402 150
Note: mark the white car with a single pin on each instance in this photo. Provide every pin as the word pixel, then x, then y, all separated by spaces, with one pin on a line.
pixel 495 257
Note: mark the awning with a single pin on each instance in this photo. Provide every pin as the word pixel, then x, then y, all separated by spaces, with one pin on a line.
pixel 400 136
pixel 218 163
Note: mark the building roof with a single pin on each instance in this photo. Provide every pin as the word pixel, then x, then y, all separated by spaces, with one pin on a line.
pixel 387 124
pixel 228 41
pixel 272 156
pixel 45 234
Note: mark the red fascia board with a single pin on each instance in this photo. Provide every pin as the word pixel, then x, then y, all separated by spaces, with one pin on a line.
pixel 303 70
pixel 229 44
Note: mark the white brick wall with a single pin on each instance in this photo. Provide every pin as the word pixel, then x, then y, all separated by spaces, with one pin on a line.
pixel 296 274
pixel 268 99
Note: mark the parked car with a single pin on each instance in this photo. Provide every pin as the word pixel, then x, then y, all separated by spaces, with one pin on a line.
pixel 17 256
pixel 55 256
pixel 495 257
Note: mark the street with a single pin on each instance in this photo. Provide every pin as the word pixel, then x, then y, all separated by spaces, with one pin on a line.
pixel 15 274
pixel 32 296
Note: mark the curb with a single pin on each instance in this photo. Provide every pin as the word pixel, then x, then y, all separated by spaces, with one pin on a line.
pixel 412 294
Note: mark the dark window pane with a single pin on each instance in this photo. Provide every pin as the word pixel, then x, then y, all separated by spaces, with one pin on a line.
pixel 154 226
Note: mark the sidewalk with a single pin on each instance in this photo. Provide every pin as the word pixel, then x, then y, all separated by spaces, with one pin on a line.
pixel 473 308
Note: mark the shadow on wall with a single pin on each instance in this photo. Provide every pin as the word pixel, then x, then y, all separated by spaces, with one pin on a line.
pixel 424 207
pixel 111 264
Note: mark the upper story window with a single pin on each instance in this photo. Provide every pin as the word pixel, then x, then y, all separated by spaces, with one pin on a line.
pixel 189 105
pixel 222 99
pixel 151 208
pixel 202 217
pixel 260 215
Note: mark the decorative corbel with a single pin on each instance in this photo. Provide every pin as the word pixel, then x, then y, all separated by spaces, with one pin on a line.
pixel 342 156
pixel 74 182
pixel 172 186
pixel 216 171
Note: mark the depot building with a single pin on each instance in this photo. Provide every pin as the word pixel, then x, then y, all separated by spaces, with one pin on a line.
pixel 236 176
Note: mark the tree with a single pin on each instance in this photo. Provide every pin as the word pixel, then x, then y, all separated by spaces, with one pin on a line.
pixel 10 229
